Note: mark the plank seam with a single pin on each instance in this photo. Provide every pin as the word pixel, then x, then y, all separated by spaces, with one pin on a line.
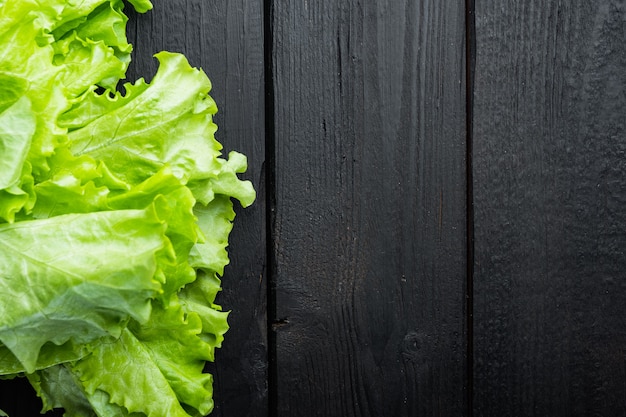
pixel 470 64
pixel 270 181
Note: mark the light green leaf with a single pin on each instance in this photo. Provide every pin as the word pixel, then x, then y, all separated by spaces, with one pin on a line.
pixel 85 63
pixel 49 355
pixel 127 372
pixel 17 126
pixel 76 277
pixel 215 222
pixel 225 182
pixel 198 298
pixel 141 6
pixel 170 122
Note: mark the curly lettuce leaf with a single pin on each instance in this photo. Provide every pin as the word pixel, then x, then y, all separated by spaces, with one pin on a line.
pixel 77 277
pixel 209 257
pixel 50 53
pixel 17 127
pixel 168 358
pixel 58 388
pixel 168 123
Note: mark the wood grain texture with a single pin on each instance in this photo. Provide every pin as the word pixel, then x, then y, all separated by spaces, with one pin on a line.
pixel 225 39
pixel 550 205
pixel 369 225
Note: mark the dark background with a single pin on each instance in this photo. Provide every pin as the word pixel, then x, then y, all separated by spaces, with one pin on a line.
pixel 440 227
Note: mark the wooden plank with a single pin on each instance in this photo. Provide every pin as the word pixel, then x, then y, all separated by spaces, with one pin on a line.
pixel 369 225
pixel 225 38
pixel 550 205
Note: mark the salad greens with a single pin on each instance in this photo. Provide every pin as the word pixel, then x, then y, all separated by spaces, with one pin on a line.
pixel 115 211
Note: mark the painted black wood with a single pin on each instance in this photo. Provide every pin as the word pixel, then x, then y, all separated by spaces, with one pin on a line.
pixel 364 146
pixel 225 39
pixel 550 206
pixel 369 221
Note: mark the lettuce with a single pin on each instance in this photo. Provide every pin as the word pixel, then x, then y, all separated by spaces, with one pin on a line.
pixel 115 211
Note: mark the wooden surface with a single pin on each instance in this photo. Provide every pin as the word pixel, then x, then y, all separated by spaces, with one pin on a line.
pixel 369 226
pixel 550 208
pixel 355 275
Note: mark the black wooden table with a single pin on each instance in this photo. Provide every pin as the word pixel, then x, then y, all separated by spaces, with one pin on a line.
pixel 440 227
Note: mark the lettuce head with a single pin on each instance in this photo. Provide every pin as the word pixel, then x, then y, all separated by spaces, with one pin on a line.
pixel 115 211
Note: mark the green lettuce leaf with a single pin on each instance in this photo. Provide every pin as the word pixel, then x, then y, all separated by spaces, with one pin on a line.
pixel 76 277
pixel 49 54
pixel 168 359
pixel 167 123
pixel 17 127
pixel 147 375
